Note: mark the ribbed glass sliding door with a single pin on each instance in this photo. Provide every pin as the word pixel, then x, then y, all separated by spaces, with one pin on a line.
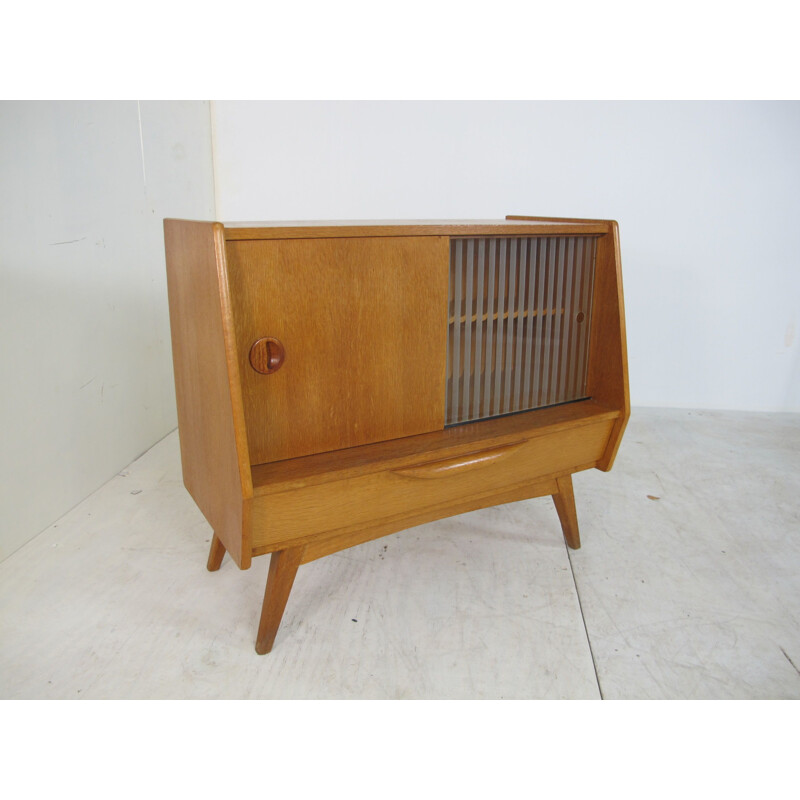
pixel 519 321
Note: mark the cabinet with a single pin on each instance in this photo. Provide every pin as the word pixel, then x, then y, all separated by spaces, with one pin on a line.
pixel 337 382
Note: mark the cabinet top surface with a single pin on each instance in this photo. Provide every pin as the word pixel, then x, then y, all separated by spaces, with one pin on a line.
pixel 354 228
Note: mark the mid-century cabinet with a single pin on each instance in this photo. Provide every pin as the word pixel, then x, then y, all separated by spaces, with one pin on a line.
pixel 337 382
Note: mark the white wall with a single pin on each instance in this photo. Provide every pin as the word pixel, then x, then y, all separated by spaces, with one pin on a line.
pixel 85 349
pixel 706 195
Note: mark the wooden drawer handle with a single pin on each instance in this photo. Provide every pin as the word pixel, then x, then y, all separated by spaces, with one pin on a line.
pixel 459 464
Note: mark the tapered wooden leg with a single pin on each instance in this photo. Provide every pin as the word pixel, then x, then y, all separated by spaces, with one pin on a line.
pixel 215 554
pixel 282 569
pixel 565 505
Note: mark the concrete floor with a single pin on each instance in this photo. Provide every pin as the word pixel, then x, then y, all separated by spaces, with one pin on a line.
pixel 687 586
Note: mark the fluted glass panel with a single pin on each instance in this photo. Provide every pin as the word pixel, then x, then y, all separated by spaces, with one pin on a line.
pixel 519 321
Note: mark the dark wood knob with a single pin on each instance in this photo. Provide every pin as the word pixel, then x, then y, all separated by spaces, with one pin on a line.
pixel 267 355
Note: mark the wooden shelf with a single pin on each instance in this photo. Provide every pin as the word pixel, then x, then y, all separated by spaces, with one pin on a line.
pixel 505 315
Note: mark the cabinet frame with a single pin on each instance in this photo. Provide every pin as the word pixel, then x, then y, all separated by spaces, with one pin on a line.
pixel 306 507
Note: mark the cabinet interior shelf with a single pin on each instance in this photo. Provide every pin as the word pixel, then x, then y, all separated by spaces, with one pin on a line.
pixel 506 315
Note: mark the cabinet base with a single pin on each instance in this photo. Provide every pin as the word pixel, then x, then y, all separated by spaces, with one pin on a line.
pixel 285 562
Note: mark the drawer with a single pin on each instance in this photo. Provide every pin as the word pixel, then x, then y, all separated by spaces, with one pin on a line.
pixel 408 490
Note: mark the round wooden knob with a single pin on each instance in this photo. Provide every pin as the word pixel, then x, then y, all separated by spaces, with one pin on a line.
pixel 266 355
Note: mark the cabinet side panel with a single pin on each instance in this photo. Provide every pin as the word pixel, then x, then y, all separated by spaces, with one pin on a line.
pixel 607 381
pixel 214 456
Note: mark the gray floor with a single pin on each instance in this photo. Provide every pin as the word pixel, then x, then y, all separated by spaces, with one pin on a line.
pixel 687 586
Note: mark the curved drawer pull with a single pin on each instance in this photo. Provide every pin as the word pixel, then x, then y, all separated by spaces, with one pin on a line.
pixel 459 464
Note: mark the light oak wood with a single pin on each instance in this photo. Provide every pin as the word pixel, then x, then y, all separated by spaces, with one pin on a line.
pixel 282 570
pixel 610 357
pixel 337 436
pixel 561 221
pixel 317 509
pixel 607 381
pixel 243 231
pixel 215 554
pixel 318 547
pixel 449 467
pixel 216 463
pixel 361 362
pixel 456 441
pixel 564 499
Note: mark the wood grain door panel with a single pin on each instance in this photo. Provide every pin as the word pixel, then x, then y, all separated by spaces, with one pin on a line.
pixel 363 324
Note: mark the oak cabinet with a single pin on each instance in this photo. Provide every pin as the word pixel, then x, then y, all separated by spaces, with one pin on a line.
pixel 337 382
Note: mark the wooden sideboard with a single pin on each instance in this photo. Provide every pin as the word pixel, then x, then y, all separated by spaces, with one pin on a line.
pixel 337 382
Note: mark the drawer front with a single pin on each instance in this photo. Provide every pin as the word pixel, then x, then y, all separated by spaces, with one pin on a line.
pixel 369 499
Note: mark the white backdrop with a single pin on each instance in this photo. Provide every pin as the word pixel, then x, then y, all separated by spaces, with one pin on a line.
pixel 707 196
pixel 85 348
